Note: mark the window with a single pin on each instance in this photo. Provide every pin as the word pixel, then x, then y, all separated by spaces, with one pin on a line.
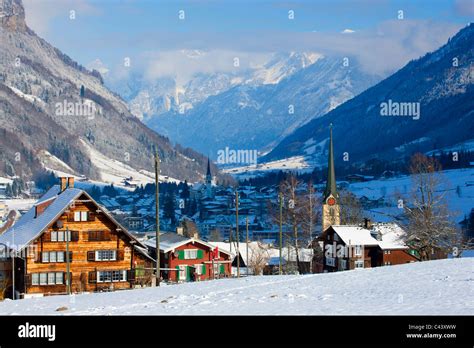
pixel 191 254
pixel 98 235
pixel 387 252
pixel 54 236
pixel 59 278
pixel 198 268
pixel 51 278
pixel 60 236
pixel 80 216
pixel 359 264
pixel 53 256
pixel 106 255
pixel 60 257
pixel 111 276
pixel 182 272
pixel 358 250
pixel 330 261
pixel 35 279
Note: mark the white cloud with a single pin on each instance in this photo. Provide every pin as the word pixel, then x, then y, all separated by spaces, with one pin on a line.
pixel 348 31
pixel 39 14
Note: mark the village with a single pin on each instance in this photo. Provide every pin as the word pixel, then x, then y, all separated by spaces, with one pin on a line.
pixel 73 241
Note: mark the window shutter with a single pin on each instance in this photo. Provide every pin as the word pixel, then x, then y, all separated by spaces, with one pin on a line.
pixel 74 236
pixel 70 256
pixel 90 256
pixel 177 272
pixel 92 277
pixel 200 254
pixel 204 269
pixel 222 269
pixel 181 254
pixel 131 275
pixel 70 216
pixel 188 273
pixel 91 216
pixel 28 280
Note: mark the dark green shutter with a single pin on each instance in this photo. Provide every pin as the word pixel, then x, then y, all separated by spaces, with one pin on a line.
pixel 200 254
pixel 177 273
pixel 188 273
pixel 181 254
pixel 222 269
pixel 204 269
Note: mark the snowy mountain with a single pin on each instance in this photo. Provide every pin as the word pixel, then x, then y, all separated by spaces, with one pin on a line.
pixel 261 111
pixel 426 105
pixel 49 104
pixel 149 98
pixel 372 291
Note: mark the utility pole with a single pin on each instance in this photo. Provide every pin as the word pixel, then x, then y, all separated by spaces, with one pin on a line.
pixel 247 243
pixel 68 278
pixel 237 230
pixel 13 266
pixel 281 232
pixel 157 215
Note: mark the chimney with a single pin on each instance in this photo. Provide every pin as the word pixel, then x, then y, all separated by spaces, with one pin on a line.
pixel 179 230
pixel 70 182
pixel 367 223
pixel 63 183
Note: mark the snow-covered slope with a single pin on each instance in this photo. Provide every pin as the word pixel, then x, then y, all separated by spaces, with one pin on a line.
pixel 426 288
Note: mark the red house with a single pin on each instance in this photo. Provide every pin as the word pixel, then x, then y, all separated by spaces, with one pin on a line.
pixel 185 259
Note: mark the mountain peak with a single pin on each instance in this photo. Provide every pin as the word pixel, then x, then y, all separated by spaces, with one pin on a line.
pixel 12 15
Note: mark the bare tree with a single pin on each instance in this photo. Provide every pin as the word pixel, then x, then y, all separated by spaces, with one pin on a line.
pixel 215 235
pixel 430 225
pixel 190 229
pixel 258 259
pixel 351 212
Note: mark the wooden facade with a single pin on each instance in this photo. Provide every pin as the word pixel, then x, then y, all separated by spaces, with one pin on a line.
pixel 343 257
pixel 99 254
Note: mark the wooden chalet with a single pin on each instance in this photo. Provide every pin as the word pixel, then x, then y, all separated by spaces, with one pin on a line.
pixel 349 247
pixel 67 235
pixel 185 259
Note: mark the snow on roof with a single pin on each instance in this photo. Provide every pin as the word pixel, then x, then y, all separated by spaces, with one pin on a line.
pixel 354 235
pixel 171 240
pixel 391 235
pixel 28 228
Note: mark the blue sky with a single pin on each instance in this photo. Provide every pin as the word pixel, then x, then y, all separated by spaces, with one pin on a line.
pixel 151 33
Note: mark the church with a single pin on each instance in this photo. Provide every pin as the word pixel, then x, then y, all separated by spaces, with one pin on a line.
pixel 347 247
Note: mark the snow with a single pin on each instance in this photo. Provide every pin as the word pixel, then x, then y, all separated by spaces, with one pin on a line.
pixel 354 235
pixel 114 172
pixel 443 287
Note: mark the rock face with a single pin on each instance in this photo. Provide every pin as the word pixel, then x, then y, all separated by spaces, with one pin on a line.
pixel 12 15
pixel 439 85
pixel 48 102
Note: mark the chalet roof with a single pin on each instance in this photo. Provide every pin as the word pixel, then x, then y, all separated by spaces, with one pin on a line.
pixel 391 235
pixel 171 240
pixel 354 235
pixel 29 227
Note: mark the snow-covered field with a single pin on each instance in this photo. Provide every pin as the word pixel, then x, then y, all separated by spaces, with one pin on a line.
pixel 430 288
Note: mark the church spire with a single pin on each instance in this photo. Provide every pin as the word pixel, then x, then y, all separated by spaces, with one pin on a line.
pixel 331 180
pixel 208 174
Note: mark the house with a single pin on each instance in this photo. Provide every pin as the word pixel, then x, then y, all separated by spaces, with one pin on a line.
pixel 189 259
pixel 349 247
pixel 65 236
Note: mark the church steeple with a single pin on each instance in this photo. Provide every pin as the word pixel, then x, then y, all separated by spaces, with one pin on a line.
pixel 331 188
pixel 331 208
pixel 208 174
